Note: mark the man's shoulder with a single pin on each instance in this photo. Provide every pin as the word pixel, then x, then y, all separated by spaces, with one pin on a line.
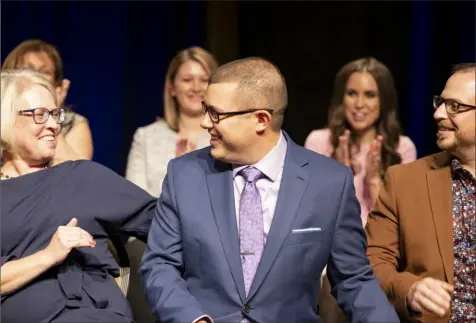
pixel 419 166
pixel 200 157
pixel 311 160
pixel 317 161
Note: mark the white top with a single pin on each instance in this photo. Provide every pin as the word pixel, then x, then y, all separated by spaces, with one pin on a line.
pixel 153 146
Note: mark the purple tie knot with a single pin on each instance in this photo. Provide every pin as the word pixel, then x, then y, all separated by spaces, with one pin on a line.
pixel 251 174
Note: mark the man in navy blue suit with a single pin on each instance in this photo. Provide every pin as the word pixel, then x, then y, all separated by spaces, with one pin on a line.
pixel 244 228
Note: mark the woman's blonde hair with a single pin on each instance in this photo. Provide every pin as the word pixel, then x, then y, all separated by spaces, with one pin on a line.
pixel 197 54
pixel 13 84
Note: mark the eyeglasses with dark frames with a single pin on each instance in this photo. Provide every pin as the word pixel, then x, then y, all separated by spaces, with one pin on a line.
pixel 452 106
pixel 41 115
pixel 215 115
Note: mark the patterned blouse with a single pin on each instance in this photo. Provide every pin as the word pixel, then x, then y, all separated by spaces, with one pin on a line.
pixel 464 239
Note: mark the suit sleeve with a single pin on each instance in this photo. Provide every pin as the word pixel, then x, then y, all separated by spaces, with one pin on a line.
pixel 354 286
pixel 162 265
pixel 383 249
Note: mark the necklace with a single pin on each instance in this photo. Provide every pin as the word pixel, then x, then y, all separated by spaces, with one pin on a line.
pixel 2 175
pixel 5 176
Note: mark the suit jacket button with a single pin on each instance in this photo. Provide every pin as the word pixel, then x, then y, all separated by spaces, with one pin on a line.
pixel 246 309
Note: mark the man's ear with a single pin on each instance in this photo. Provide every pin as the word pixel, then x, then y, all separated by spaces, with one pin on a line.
pixel 263 120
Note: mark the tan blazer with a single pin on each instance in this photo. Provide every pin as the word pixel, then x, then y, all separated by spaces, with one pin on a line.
pixel 410 230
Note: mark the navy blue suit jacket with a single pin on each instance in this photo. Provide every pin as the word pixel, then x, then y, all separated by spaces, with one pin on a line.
pixel 192 263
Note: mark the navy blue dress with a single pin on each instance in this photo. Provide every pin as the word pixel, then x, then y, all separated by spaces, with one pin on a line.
pixel 82 288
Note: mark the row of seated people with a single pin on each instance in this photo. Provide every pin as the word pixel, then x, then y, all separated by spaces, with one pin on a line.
pixel 362 146
pixel 363 131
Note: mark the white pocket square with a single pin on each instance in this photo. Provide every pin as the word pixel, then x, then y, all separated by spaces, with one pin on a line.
pixel 306 230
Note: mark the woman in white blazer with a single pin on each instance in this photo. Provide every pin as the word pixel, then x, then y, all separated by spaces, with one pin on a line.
pixel 179 132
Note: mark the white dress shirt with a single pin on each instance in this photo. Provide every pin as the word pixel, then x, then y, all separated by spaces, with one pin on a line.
pixel 271 166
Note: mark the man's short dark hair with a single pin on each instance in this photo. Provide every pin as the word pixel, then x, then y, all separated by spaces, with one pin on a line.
pixel 463 68
pixel 260 85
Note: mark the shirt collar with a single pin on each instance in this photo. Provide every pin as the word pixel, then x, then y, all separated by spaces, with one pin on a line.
pixel 267 165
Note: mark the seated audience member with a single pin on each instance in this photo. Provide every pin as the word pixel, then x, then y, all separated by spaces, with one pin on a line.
pixel 155 145
pixel 75 139
pixel 363 131
pixel 422 232
pixel 363 134
pixel 57 216
pixel 224 246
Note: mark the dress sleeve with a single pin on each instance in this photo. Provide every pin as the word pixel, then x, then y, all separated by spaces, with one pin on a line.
pixel 122 206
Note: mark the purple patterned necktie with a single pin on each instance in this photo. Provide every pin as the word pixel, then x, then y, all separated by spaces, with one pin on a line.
pixel 251 225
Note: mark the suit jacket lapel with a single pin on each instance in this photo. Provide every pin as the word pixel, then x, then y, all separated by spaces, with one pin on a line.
pixel 441 201
pixel 293 185
pixel 220 187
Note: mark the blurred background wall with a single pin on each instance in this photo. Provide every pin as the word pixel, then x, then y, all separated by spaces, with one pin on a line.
pixel 116 53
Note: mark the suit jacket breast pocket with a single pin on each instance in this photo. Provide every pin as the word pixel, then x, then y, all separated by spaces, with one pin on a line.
pixel 300 237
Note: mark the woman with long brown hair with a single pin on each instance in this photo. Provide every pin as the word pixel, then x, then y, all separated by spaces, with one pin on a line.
pixel 364 134
pixel 363 131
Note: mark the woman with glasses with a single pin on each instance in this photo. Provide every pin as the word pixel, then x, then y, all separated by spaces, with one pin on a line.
pixel 364 134
pixel 57 216
pixel 75 139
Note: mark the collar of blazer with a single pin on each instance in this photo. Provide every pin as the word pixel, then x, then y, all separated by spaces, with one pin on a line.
pixel 441 160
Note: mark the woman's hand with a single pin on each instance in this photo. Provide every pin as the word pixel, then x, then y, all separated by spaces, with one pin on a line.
pixel 373 161
pixel 184 146
pixel 342 151
pixel 346 157
pixel 65 239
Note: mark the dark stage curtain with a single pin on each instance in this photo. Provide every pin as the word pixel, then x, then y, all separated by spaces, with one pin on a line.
pixel 310 40
pixel 115 53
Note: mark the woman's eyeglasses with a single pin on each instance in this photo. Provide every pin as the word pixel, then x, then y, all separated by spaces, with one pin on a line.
pixel 41 115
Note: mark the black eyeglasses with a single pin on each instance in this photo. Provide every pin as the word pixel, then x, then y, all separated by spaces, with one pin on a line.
pixel 452 106
pixel 215 115
pixel 41 115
